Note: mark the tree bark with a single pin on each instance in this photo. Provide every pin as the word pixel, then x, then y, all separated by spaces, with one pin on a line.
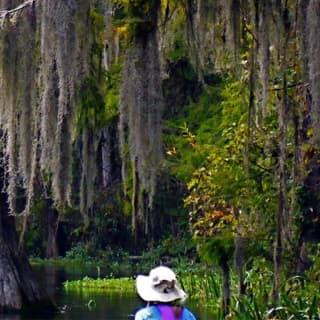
pixel 282 218
pixel 240 245
pixel 18 285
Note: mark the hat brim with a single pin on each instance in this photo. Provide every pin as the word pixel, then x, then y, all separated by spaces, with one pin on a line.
pixel 148 292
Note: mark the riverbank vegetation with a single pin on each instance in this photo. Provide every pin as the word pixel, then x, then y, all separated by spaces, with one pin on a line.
pixel 299 296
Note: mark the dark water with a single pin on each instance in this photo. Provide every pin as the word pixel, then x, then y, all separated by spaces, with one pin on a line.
pixel 87 305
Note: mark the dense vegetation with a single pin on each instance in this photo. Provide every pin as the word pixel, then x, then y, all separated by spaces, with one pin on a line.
pixel 188 135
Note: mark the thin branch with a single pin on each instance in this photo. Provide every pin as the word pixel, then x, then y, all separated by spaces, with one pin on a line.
pixel 22 6
pixel 294 85
pixel 4 14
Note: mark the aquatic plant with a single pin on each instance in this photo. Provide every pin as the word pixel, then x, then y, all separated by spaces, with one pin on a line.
pixel 121 285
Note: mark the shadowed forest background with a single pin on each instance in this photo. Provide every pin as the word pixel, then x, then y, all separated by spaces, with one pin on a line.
pixel 183 132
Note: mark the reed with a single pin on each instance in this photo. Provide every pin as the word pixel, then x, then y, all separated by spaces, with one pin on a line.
pixel 299 296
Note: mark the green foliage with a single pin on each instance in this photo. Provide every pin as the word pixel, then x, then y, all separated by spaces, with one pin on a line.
pixel 99 93
pixel 212 145
pixel 204 287
pixel 232 187
pixel 92 107
pixel 80 253
pixel 179 49
pixel 217 123
pixel 258 280
pixel 109 219
pixel 112 89
pixel 314 272
pixel 298 299
pixel 232 168
pixel 97 44
pixel 173 251
pixel 218 248
pixel 174 23
pixel 98 27
pixel 121 285
pixel 138 17
pixel 34 242
pixel 192 128
pixel 247 309
pixel 298 296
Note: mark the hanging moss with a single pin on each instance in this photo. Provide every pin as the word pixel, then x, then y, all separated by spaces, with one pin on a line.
pixel 41 77
pixel 98 107
pixel 19 119
pixel 140 117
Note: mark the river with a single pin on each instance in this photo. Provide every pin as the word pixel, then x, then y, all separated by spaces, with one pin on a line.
pixel 87 305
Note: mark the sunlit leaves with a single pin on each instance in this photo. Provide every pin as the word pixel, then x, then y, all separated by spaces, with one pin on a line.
pixel 226 185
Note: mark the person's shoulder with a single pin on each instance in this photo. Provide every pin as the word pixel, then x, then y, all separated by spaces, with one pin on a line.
pixel 147 313
pixel 187 315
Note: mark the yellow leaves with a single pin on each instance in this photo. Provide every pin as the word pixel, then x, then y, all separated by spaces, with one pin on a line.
pixel 122 31
pixel 217 214
pixel 172 151
pixel 211 219
pixel 164 6
pixel 228 219
pixel 310 132
pixel 189 136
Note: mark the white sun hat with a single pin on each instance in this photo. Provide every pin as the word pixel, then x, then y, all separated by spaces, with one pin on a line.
pixel 159 286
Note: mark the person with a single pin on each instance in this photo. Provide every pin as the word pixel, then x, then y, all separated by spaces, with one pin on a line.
pixel 163 296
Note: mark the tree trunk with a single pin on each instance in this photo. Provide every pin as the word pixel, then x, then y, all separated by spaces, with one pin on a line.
pixel 19 287
pixel 308 197
pixel 240 245
pixel 282 218
pixel 282 215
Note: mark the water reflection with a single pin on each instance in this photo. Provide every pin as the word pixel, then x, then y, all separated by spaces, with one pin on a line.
pixel 106 306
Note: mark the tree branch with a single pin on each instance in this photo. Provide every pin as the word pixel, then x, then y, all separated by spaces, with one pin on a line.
pixel 9 13
pixel 294 85
pixel 20 7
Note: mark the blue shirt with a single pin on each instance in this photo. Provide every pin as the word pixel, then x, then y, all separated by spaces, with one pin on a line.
pixel 153 313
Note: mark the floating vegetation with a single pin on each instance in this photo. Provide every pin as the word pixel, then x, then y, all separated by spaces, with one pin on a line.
pixel 119 285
